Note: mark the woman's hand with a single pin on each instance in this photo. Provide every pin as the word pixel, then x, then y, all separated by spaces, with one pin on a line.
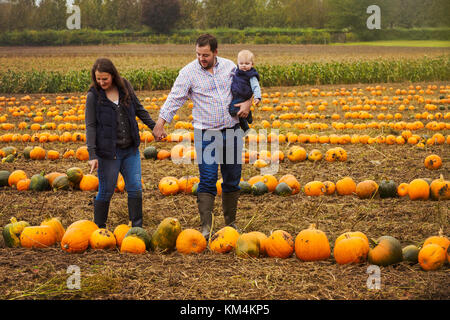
pixel 93 164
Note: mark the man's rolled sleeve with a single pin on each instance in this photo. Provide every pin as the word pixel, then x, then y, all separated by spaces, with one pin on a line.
pixel 176 98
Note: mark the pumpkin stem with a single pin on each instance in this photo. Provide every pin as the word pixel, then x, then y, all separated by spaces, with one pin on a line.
pixel 441 232
pixel 13 220
pixel 312 226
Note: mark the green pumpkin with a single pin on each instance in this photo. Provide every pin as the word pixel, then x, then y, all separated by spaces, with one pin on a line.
pixel 39 183
pixel 26 152
pixel 165 236
pixel 61 183
pixel 150 153
pixel 387 189
pixel 245 187
pixel 9 158
pixel 9 150
pixel 4 176
pixel 247 245
pixel 195 189
pixel 410 253
pixel 387 251
pixel 141 234
pixel 259 189
pixel 12 231
pixel 283 189
pixel 75 175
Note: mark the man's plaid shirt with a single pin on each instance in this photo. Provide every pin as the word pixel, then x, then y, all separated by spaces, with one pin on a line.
pixel 210 94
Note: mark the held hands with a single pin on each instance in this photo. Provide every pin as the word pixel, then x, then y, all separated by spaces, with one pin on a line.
pixel 158 130
pixel 244 108
pixel 93 164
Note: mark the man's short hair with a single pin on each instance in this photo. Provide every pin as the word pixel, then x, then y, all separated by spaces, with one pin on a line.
pixel 207 39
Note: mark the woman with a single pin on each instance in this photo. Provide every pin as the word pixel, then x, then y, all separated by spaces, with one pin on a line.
pixel 112 137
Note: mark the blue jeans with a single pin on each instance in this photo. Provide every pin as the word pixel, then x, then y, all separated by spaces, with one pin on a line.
pixel 228 157
pixel 128 163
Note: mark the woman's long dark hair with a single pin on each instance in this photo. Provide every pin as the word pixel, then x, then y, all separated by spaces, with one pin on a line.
pixel 106 65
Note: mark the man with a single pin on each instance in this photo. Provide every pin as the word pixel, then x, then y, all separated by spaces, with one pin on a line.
pixel 207 82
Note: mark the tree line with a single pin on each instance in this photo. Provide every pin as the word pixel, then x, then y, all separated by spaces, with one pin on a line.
pixel 164 16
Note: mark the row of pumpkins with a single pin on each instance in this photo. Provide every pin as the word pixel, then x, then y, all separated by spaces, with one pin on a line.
pixel 417 189
pixel 10 154
pixel 310 244
pixel 73 178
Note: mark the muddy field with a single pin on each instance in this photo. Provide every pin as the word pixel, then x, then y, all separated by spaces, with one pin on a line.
pixel 42 273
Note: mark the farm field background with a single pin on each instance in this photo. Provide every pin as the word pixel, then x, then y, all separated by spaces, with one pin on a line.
pixel 137 56
pixel 363 109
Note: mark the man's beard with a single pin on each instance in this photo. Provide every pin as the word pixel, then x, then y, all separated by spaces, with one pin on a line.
pixel 209 65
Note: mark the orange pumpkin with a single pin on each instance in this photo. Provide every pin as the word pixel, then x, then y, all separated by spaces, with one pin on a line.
pixel 23 185
pixel 168 186
pixel 16 176
pixel 177 152
pixel 69 154
pixel 433 162
pixel 89 182
pixel 280 244
pixel 37 153
pixel 315 155
pixel 387 251
pixel 163 154
pixel 431 257
pixel 366 189
pixel 133 244
pixel 190 241
pixel 418 189
pixel 312 245
pixel 255 179
pixel 37 237
pixel 186 183
pixel 57 227
pixel 440 189
pixel 296 154
pixel 102 239
pixel 314 188
pixel 53 155
pixel 330 187
pixel 292 182
pixel 82 153
pixel 402 189
pixel 224 240
pixel 351 249
pixel 440 240
pixel 120 186
pixel 270 181
pixel 76 238
pixel 119 232
pixel 345 186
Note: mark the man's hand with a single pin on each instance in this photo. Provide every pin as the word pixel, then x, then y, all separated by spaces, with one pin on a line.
pixel 93 164
pixel 158 130
pixel 244 108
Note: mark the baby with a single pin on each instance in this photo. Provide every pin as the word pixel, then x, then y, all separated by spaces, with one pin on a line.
pixel 245 85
